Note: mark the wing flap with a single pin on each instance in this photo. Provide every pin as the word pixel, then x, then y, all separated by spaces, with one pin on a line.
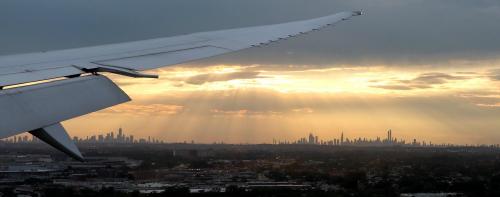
pixel 38 75
pixel 37 106
pixel 56 136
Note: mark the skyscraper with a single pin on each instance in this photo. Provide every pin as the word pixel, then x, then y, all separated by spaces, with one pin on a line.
pixel 389 136
pixel 120 136
pixel 341 138
pixel 311 138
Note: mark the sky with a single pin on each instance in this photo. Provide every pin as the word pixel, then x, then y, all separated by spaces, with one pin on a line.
pixel 427 69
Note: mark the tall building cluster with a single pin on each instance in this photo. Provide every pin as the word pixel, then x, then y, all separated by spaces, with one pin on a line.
pixel 109 138
pixel 344 141
pixel 19 139
pixel 118 138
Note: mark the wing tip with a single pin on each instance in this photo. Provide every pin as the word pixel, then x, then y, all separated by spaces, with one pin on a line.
pixel 358 12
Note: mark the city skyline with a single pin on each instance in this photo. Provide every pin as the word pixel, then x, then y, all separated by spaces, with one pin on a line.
pixel 423 75
pixel 281 98
pixel 121 137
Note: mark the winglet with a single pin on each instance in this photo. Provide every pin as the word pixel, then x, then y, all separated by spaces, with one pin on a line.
pixel 56 136
pixel 358 13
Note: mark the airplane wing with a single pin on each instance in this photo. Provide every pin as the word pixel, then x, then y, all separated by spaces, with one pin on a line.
pixel 30 103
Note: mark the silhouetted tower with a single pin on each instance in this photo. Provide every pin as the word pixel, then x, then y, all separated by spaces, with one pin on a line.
pixel 120 136
pixel 311 138
pixel 341 138
pixel 389 136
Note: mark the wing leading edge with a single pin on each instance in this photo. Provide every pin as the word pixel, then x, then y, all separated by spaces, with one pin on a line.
pixel 39 108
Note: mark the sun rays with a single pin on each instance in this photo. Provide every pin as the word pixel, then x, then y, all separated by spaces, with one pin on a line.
pixel 256 103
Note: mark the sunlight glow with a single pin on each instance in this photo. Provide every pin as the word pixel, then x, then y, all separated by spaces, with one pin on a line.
pixel 237 103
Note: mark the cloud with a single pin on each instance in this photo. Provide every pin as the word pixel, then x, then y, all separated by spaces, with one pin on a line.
pixel 489 105
pixel 392 32
pixel 435 78
pixel 244 113
pixel 494 74
pixel 398 33
pixel 482 98
pixel 250 101
pixel 304 110
pixel 438 34
pixel 422 81
pixel 212 77
pixel 260 112
pixel 393 87
pixel 144 110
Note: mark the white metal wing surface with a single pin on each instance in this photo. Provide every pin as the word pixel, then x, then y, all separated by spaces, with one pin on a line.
pixel 39 108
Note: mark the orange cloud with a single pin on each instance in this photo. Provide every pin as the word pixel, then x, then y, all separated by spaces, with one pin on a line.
pixel 303 110
pixel 244 112
pixel 144 110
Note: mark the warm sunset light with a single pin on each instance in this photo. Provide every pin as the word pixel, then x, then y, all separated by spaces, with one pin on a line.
pixel 256 103
pixel 281 98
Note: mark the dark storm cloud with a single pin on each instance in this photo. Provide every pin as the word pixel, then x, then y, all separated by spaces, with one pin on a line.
pixel 392 31
pixel 210 77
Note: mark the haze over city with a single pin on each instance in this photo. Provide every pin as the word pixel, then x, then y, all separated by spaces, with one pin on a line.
pixel 430 73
